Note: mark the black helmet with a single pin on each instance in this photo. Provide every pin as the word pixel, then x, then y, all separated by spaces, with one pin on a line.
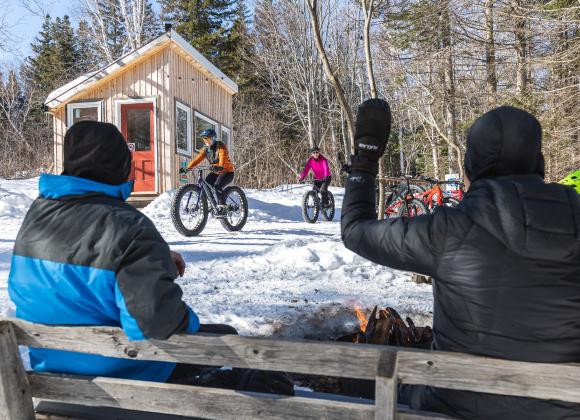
pixel 314 149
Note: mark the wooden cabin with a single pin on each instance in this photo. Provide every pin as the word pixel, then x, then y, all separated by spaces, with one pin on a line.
pixel 161 96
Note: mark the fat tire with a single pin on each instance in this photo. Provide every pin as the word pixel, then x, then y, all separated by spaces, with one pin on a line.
pixel 415 202
pixel 225 222
pixel 316 206
pixel 176 216
pixel 328 213
pixel 450 202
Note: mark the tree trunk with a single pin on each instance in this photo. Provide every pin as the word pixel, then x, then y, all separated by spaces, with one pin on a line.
pixel 521 47
pixel 313 9
pixel 491 80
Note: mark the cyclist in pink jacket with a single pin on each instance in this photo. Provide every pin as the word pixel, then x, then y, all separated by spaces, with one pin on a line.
pixel 321 170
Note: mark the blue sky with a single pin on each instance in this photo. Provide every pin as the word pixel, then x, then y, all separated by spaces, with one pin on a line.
pixel 23 23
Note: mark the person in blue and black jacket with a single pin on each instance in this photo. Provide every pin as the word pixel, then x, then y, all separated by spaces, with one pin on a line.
pixel 85 257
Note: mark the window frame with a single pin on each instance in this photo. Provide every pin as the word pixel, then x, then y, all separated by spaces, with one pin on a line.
pixel 230 140
pixel 190 122
pixel 206 119
pixel 70 107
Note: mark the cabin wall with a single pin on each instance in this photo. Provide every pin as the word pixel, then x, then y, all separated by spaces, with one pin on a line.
pixel 156 75
pixel 202 93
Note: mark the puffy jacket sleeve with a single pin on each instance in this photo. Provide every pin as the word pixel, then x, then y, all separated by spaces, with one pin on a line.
pixel 197 159
pixel 306 169
pixel 149 301
pixel 414 244
pixel 326 168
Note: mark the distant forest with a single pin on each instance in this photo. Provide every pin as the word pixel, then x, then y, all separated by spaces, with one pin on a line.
pixel 303 66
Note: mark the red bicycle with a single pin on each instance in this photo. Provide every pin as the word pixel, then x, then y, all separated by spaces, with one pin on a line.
pixel 403 200
pixel 435 196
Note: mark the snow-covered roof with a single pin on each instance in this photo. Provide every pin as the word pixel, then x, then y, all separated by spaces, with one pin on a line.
pixel 66 92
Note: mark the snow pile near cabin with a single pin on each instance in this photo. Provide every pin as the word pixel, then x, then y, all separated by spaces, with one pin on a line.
pixel 16 197
pixel 278 276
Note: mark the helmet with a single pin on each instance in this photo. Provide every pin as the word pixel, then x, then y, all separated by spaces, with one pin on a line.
pixel 208 132
pixel 314 149
pixel 573 179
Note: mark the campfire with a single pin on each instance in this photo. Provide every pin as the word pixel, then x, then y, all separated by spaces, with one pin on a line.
pixel 386 327
pixel 383 327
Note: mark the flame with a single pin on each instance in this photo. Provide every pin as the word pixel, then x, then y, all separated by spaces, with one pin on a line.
pixel 362 319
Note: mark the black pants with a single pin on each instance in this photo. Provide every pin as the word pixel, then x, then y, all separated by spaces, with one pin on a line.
pixel 184 373
pixel 322 185
pixel 219 181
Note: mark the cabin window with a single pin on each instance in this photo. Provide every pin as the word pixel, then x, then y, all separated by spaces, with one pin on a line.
pixel 202 123
pixel 83 111
pixel 183 123
pixel 226 137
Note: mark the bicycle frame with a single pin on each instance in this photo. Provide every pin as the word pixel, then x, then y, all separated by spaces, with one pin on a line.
pixel 403 195
pixel 207 189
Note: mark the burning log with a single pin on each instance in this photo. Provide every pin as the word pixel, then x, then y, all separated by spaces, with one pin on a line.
pixel 383 327
pixel 386 327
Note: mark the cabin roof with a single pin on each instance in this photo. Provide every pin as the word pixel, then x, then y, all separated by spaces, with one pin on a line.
pixel 63 94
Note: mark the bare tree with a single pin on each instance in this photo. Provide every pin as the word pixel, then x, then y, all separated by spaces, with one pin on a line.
pixel 328 70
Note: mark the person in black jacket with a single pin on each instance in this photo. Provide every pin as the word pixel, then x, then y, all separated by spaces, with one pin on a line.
pixel 85 257
pixel 505 263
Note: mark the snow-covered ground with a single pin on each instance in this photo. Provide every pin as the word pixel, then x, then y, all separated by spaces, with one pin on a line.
pixel 278 276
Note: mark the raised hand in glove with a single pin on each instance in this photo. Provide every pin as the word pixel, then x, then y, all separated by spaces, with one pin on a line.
pixel 183 170
pixel 372 129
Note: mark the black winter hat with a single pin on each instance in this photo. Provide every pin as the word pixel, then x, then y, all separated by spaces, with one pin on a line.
pixel 96 151
pixel 504 141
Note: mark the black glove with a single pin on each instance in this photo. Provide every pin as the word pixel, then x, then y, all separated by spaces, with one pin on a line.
pixel 183 170
pixel 215 169
pixel 372 129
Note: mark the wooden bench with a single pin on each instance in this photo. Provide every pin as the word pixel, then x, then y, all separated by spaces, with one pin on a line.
pixel 388 366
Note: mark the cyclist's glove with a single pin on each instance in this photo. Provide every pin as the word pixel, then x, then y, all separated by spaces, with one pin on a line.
pixel 183 170
pixel 372 129
pixel 217 168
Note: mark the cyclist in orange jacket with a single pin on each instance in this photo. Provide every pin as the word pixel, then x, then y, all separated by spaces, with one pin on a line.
pixel 222 168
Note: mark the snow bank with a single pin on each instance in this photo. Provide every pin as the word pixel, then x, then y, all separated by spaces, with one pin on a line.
pixel 13 205
pixel 278 276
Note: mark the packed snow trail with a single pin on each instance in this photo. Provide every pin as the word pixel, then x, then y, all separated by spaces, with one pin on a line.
pixel 278 276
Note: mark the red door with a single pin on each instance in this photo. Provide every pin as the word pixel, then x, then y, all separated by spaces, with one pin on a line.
pixel 138 127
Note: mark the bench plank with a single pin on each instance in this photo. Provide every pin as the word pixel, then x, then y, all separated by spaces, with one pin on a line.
pixel 188 400
pixel 15 398
pixel 297 356
pixel 445 370
pixel 557 381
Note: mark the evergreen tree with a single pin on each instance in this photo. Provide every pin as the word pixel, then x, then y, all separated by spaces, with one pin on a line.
pixel 151 24
pixel 65 56
pixel 39 67
pixel 237 51
pixel 88 57
pixel 206 24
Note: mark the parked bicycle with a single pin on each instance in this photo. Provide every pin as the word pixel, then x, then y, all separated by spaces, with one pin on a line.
pixel 402 200
pixel 193 203
pixel 435 196
pixel 313 205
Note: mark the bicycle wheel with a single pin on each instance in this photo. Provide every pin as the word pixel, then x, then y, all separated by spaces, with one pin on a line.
pixel 450 202
pixel 237 214
pixel 310 206
pixel 416 207
pixel 328 210
pixel 189 210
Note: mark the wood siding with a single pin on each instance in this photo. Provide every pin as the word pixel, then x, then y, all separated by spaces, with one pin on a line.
pixel 155 75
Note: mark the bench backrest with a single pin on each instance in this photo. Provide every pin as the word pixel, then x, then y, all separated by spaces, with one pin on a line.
pixel 388 366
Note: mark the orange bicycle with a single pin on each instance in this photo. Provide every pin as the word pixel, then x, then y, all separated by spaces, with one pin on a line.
pixel 434 196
